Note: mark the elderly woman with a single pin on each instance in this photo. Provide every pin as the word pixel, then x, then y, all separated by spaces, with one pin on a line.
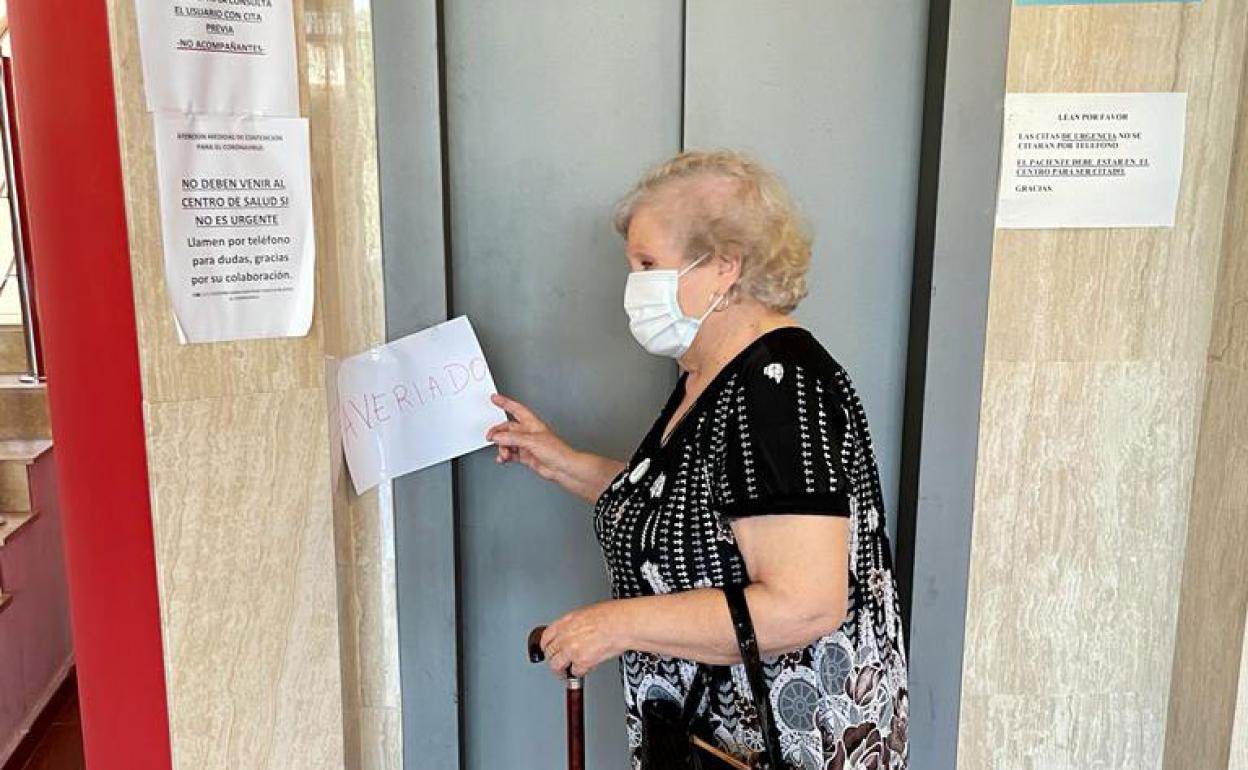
pixel 759 470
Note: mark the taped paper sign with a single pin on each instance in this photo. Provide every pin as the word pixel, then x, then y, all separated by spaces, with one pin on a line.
pixel 236 211
pixel 221 56
pixel 1091 160
pixel 415 402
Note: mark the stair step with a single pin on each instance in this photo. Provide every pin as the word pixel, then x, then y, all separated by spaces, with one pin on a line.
pixel 16 456
pixel 14 487
pixel 23 409
pixel 10 523
pixel 23 450
pixel 12 348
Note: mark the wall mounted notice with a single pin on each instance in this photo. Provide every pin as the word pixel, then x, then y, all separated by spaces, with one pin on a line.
pixel 414 402
pixel 222 56
pixel 1091 160
pixel 236 210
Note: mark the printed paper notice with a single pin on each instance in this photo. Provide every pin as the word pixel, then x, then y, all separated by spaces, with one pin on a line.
pixel 219 56
pixel 414 402
pixel 236 211
pixel 1091 160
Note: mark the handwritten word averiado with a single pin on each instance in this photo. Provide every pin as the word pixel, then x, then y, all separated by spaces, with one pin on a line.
pixel 368 411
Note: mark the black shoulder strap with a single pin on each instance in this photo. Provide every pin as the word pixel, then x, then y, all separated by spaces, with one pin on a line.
pixel 744 627
pixel 693 698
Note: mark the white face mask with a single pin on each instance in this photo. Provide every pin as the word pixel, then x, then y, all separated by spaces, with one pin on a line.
pixel 654 315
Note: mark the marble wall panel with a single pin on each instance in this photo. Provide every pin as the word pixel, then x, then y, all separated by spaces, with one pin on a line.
pixel 1239 739
pixel 1094 390
pixel 276 582
pixel 1092 729
pixel 249 614
pixel 1214 597
pixel 1206 692
pixel 171 371
pixel 1083 505
pixel 336 36
pixel 1230 347
pixel 1135 293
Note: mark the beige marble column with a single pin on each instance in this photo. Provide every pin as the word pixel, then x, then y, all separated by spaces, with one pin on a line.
pixel 338 40
pixel 1095 376
pixel 1207 674
pixel 276 586
pixel 1239 735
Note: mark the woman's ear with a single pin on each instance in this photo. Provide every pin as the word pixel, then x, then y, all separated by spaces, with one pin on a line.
pixel 728 262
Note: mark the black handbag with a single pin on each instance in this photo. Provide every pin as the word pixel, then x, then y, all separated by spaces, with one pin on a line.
pixel 670 731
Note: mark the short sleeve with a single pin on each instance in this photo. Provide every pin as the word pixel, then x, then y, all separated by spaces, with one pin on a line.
pixel 786 444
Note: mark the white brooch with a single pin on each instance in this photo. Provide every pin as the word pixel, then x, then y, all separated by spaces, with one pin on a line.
pixel 774 371
pixel 639 471
pixel 656 488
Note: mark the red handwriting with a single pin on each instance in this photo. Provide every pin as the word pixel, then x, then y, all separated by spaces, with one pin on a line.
pixel 369 410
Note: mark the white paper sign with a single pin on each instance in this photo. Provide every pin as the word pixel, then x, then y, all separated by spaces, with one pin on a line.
pixel 1091 160
pixel 219 56
pixel 415 402
pixel 236 211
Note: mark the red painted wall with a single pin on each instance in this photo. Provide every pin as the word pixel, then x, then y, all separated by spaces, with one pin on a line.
pixel 36 650
pixel 74 198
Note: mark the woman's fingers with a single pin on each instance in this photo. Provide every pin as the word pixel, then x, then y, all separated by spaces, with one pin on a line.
pixel 505 453
pixel 502 426
pixel 526 440
pixel 499 426
pixel 558 664
pixel 549 636
pixel 511 427
pixel 564 663
pixel 513 439
pixel 518 446
pixel 556 658
pixel 523 445
pixel 516 409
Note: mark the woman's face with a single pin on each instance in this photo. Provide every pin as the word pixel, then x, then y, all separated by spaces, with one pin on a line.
pixel 651 246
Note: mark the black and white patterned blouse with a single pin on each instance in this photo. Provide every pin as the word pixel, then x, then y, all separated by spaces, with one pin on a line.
pixel 779 430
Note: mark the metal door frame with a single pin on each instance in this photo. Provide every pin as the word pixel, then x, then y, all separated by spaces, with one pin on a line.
pixel 958 173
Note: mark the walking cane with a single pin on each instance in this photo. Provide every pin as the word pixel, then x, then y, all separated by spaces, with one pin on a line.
pixel 576 704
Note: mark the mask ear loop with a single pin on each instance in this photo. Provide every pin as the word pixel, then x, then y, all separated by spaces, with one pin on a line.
pixel 716 306
pixel 692 265
pixel 722 299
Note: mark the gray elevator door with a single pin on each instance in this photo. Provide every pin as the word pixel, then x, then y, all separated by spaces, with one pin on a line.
pixel 553 108
pixel 829 93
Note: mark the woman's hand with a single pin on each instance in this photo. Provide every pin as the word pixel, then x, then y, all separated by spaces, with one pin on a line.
pixel 527 440
pixel 583 638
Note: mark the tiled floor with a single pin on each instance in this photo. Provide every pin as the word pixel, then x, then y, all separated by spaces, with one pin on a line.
pixel 60 748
